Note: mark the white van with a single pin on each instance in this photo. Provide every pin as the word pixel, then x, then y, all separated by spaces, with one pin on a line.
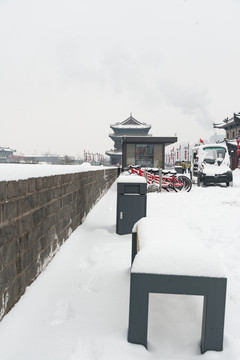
pixel 210 164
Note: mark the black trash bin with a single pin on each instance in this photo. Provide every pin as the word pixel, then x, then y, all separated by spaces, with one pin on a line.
pixel 131 202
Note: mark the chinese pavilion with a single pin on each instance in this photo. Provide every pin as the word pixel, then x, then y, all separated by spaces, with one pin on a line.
pixel 232 138
pixel 128 127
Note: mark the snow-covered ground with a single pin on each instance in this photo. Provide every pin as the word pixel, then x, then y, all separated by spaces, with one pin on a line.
pixel 10 172
pixel 77 309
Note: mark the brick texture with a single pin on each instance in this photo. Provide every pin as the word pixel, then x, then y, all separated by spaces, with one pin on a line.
pixel 36 216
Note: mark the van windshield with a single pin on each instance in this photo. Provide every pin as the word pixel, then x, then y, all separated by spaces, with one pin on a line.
pixel 214 153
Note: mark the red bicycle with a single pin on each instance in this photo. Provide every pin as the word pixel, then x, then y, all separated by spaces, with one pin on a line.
pixel 170 180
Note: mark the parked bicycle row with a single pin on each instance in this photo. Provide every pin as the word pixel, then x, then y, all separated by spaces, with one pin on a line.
pixel 168 180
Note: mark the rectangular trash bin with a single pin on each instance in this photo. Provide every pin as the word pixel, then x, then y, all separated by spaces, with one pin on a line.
pixel 131 202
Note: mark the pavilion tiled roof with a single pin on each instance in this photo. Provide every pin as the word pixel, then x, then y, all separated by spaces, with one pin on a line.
pixel 228 122
pixel 130 122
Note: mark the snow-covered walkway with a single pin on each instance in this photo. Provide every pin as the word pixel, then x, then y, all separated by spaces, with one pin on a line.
pixel 77 309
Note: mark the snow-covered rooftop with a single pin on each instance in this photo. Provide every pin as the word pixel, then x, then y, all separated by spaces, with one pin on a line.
pixel 232 142
pixel 114 152
pixel 130 123
pixel 6 149
pixel 224 123
pixel 130 126
pixel 228 122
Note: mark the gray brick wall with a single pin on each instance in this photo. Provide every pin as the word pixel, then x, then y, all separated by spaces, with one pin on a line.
pixel 36 217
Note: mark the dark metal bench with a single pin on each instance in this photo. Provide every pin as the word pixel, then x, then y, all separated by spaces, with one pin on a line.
pixel 212 288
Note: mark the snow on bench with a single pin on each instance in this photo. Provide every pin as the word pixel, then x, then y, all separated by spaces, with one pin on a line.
pixel 168 247
pixel 175 262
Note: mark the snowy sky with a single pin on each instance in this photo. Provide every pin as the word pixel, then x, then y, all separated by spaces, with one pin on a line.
pixel 70 68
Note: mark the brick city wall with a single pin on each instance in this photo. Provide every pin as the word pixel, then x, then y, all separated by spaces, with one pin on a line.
pixel 36 216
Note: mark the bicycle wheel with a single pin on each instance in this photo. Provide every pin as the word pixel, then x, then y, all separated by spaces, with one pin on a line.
pixel 187 183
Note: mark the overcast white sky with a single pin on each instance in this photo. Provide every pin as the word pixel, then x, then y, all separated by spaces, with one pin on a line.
pixel 70 68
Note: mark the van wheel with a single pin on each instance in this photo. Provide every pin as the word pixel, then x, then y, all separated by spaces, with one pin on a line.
pixel 229 183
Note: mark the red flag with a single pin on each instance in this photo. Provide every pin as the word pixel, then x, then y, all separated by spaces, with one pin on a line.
pixel 201 141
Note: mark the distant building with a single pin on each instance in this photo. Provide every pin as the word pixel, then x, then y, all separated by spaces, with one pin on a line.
pixel 232 137
pixel 6 153
pixel 232 126
pixel 129 127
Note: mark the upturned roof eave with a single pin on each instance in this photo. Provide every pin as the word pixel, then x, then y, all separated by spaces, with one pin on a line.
pixel 126 127
pixel 228 122
pixel 113 153
pixel 118 136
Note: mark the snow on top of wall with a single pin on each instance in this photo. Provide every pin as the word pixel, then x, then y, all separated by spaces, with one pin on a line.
pixel 9 172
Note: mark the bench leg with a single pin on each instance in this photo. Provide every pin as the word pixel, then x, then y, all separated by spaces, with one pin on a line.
pixel 213 317
pixel 134 246
pixel 138 312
